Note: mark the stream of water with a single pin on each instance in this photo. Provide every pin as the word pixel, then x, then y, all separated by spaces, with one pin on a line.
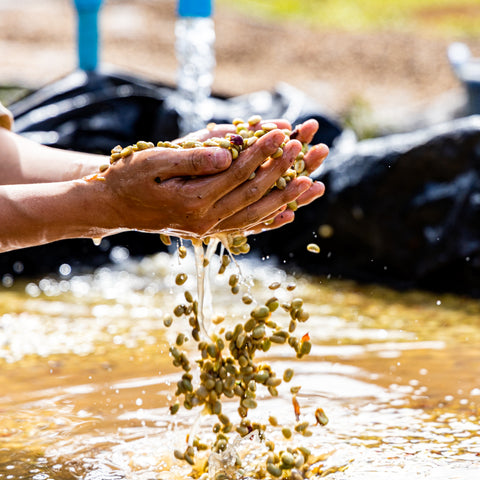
pixel 86 379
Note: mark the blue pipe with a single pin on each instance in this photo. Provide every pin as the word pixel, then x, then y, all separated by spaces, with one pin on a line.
pixel 194 8
pixel 87 33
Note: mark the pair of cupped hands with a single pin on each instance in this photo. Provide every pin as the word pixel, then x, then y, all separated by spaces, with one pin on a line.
pixel 201 191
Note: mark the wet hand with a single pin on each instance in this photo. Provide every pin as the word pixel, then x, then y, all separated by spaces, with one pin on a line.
pixel 302 190
pixel 192 191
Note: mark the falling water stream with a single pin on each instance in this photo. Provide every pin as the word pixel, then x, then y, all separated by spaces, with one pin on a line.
pixel 86 379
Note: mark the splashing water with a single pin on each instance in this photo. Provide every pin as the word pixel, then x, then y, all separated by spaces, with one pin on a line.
pixel 396 373
pixel 203 261
pixel 227 463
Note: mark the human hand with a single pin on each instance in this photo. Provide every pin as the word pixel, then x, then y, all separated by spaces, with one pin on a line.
pixel 187 192
pixel 313 159
pixel 152 190
pixel 304 133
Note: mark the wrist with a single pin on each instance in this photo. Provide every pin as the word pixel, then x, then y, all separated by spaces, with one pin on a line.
pixel 84 165
pixel 73 209
pixel 95 212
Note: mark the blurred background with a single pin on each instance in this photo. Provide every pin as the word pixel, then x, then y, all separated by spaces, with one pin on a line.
pixel 371 65
pixel 365 71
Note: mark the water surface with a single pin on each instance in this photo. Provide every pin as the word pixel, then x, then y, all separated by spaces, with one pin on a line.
pixel 86 379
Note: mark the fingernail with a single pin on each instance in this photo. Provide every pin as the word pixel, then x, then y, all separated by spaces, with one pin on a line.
pixel 221 159
pixel 276 137
pixel 295 144
pixel 306 184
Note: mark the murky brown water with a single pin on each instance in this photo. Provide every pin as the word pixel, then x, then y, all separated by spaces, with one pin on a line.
pixel 86 381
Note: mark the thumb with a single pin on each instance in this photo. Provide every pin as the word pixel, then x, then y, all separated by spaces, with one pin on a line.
pixel 169 162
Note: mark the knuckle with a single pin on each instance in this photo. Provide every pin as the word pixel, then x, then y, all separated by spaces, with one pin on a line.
pixel 240 172
pixel 197 160
pixel 269 143
pixel 266 149
pixel 251 193
pixel 220 159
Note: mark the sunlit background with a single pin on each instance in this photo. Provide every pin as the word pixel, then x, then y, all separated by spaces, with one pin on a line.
pixel 363 61
pixel 85 378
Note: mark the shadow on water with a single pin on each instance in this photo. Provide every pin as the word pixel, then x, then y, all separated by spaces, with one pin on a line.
pixel 87 380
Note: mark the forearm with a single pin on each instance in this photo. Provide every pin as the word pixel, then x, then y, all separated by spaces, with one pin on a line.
pixel 42 213
pixel 23 161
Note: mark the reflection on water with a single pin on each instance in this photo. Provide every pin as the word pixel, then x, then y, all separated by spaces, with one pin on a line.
pixel 86 379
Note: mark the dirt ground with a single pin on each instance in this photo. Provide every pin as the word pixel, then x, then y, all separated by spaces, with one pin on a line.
pixel 390 73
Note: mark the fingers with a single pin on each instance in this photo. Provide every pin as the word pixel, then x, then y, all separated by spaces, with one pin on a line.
pixel 220 130
pixel 257 211
pixel 166 163
pixel 279 122
pixel 281 218
pixel 304 132
pixel 315 191
pixel 242 168
pixel 212 130
pixel 265 176
pixel 315 157
pixel 232 200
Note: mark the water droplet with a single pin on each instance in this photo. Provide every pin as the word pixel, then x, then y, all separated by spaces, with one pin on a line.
pixel 32 290
pixel 7 280
pixel 18 267
pixel 119 254
pixel 65 269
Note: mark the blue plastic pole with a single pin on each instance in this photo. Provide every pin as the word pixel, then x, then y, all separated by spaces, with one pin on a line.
pixel 194 8
pixel 87 33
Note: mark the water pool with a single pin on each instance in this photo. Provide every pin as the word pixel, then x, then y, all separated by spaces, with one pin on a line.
pixel 86 379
